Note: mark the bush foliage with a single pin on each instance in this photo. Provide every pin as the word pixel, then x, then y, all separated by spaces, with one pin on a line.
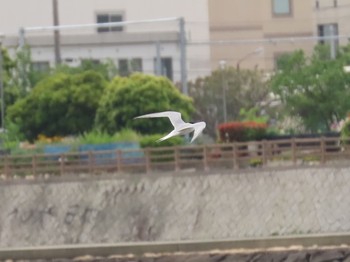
pixel 139 94
pixel 99 137
pixel 314 88
pixel 151 141
pixel 60 105
pixel 244 89
pixel 345 132
pixel 72 101
pixel 242 131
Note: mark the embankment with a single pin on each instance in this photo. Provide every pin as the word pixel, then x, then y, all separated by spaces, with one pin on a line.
pixel 165 207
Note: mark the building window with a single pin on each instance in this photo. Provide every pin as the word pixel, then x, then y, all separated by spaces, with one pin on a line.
pixel 328 30
pixel 326 4
pixel 41 66
pixel 135 65
pixel 281 7
pixel 123 67
pixel 166 67
pixel 108 18
pixel 129 66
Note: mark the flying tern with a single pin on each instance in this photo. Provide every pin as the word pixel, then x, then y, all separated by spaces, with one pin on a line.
pixel 180 127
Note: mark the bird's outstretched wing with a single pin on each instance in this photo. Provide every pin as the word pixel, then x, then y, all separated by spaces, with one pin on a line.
pixel 175 117
pixel 198 128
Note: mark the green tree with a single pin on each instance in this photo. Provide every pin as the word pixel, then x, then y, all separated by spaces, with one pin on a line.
pixel 12 90
pixel 316 88
pixel 24 75
pixel 138 94
pixel 253 115
pixel 61 104
pixel 244 89
pixel 106 68
pixel 8 65
pixel 20 75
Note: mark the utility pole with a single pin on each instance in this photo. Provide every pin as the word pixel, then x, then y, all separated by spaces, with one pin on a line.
pixel 2 86
pixel 21 38
pixel 158 59
pixel 223 82
pixel 56 32
pixel 183 61
pixel 332 42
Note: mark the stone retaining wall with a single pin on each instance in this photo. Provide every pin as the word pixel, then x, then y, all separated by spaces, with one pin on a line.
pixel 175 207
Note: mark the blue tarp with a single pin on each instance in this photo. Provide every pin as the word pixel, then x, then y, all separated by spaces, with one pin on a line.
pixel 103 158
pixel 127 157
pixel 56 150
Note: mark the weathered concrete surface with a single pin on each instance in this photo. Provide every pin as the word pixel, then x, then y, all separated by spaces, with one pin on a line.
pixel 297 255
pixel 172 207
pixel 339 254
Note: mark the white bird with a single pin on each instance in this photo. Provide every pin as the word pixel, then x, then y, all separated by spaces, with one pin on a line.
pixel 180 127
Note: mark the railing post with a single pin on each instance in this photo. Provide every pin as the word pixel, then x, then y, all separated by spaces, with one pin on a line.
pixel 294 151
pixel 62 160
pixel 323 150
pixel 177 160
pixel 119 161
pixel 7 170
pixel 205 158
pixel 34 160
pixel 264 152
pixel 91 161
pixel 148 160
pixel 235 156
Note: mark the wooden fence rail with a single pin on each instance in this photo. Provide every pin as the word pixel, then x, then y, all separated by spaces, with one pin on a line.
pixel 288 152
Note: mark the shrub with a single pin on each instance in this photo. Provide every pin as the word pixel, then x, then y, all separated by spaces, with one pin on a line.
pixel 11 138
pixel 255 162
pixel 139 94
pixel 151 141
pixel 127 135
pixel 100 137
pixel 242 131
pixel 59 105
pixel 95 137
pixel 345 132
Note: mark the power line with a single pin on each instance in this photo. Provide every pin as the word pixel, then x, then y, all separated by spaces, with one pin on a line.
pixel 97 25
pixel 267 40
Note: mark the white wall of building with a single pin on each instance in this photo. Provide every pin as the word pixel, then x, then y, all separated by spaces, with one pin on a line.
pixel 15 14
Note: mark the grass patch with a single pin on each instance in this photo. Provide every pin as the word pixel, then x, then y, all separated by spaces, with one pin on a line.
pixel 98 137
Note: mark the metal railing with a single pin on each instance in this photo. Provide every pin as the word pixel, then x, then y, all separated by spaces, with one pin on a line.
pixel 238 155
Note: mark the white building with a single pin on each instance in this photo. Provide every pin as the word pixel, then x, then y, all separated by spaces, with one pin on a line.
pixel 131 47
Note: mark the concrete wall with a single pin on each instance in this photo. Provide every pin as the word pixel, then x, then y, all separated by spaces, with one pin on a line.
pixel 175 207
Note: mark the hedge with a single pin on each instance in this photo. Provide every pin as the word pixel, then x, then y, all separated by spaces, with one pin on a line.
pixel 242 131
